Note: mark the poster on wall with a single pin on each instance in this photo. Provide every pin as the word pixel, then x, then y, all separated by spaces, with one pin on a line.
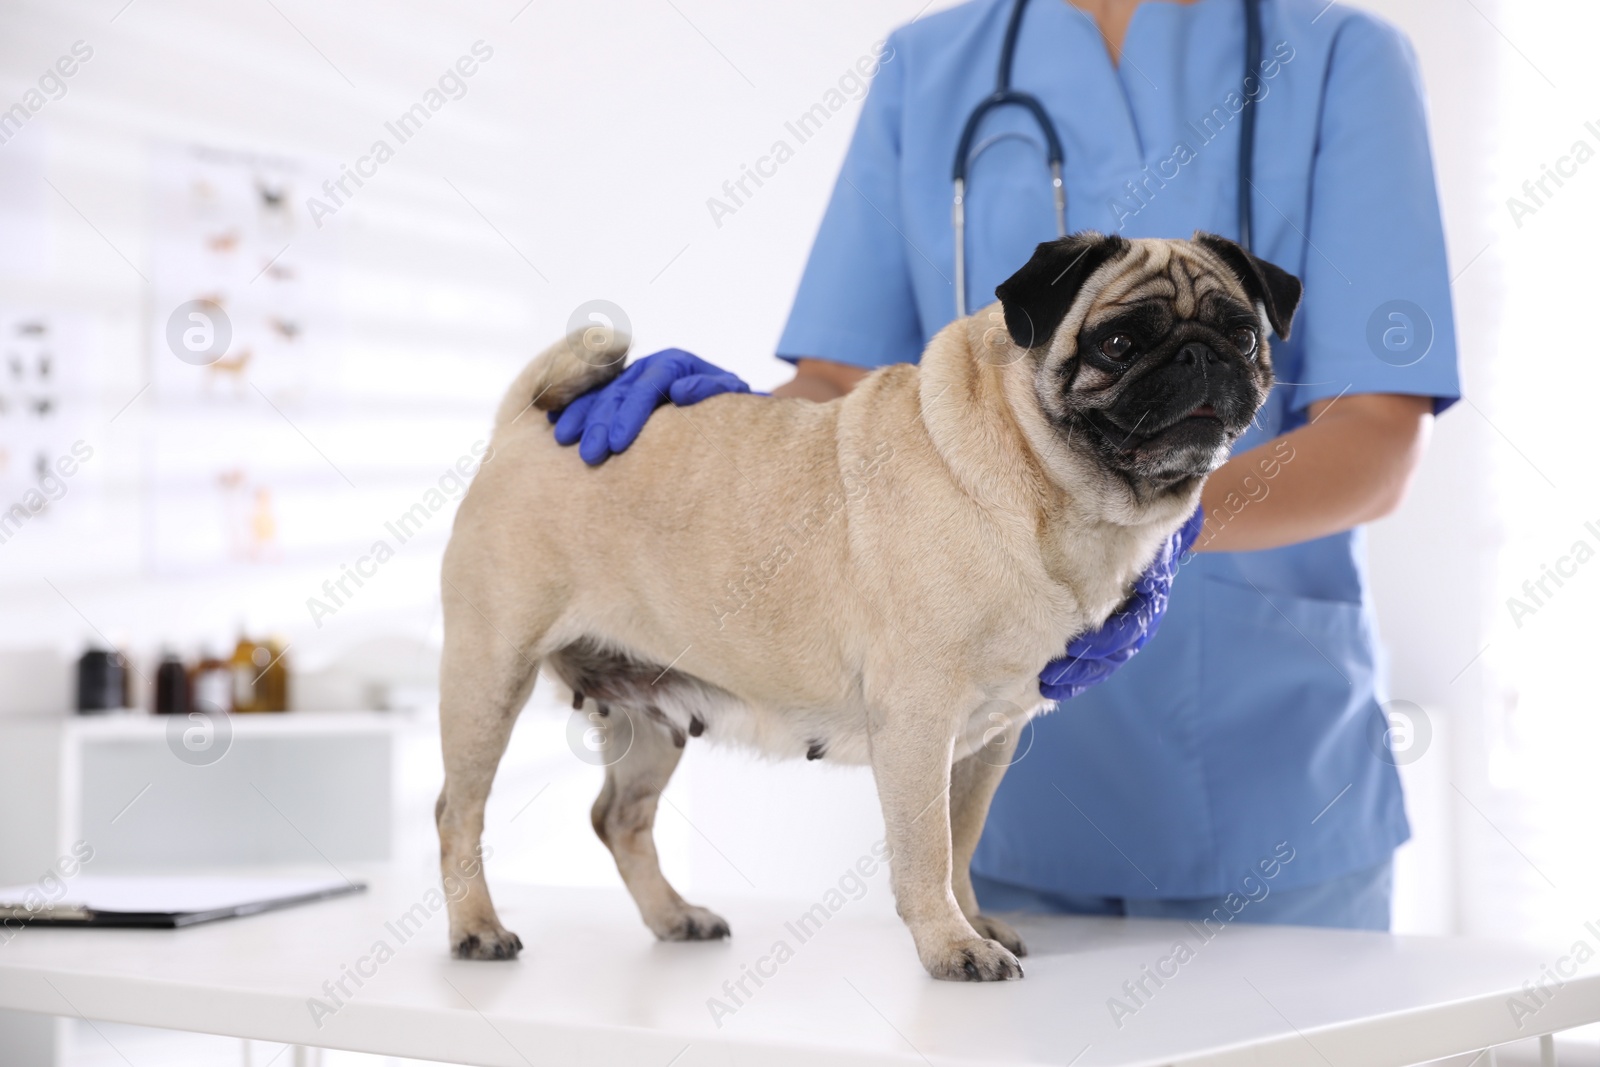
pixel 50 447
pixel 243 357
pixel 44 435
pixel 226 230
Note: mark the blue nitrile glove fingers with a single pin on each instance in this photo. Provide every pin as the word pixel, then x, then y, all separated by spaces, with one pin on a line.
pixel 598 407
pixel 595 444
pixel 584 421
pixel 570 419
pixel 1064 679
pixel 1189 532
pixel 698 387
pixel 646 392
pixel 609 419
pixel 594 432
pixel 1091 658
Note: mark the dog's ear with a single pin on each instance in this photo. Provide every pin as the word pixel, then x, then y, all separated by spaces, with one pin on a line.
pixel 1038 296
pixel 1276 289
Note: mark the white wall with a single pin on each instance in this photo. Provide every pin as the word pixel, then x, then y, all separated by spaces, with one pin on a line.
pixel 1431 562
pixel 1507 789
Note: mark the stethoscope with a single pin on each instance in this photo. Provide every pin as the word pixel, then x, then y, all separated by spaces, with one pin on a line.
pixel 1005 95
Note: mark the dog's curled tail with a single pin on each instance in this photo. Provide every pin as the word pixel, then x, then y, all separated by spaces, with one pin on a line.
pixel 584 360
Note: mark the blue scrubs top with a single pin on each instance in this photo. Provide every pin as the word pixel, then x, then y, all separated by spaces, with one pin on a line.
pixel 1248 721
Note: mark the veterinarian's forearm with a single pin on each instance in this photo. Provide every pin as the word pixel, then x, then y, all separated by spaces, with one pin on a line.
pixel 821 379
pixel 1350 464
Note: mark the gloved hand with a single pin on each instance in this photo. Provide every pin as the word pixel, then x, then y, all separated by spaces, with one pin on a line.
pixel 1091 658
pixel 609 419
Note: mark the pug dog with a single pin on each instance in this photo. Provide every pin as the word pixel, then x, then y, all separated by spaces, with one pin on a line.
pixel 862 581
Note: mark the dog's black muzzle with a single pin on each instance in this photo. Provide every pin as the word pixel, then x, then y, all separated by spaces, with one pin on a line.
pixel 1178 412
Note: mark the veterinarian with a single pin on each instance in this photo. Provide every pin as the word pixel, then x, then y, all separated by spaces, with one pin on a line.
pixel 1239 766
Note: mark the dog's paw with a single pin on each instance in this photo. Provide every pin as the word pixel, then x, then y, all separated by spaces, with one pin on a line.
pixel 974 959
pixel 496 943
pixel 691 924
pixel 995 930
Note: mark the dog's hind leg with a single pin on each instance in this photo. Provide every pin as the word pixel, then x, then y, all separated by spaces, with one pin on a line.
pixel 973 781
pixel 484 681
pixel 624 816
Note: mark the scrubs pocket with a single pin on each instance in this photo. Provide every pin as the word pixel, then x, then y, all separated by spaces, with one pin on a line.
pixel 1290 712
pixel 1256 639
pixel 1287 683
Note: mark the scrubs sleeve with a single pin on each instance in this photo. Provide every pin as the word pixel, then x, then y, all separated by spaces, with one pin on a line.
pixel 1377 312
pixel 855 303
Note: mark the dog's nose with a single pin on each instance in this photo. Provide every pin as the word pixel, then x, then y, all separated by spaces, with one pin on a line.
pixel 1194 354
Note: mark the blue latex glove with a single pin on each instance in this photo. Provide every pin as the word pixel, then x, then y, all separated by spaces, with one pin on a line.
pixel 607 420
pixel 1091 658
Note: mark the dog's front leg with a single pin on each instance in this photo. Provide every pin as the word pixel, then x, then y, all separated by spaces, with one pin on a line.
pixel 911 751
pixel 973 781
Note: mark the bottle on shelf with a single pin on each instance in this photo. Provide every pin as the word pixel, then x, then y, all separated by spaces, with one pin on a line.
pixel 102 681
pixel 272 684
pixel 210 684
pixel 172 685
pixel 128 700
pixel 246 673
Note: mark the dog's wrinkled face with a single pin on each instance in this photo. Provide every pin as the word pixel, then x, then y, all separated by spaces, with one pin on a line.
pixel 1150 355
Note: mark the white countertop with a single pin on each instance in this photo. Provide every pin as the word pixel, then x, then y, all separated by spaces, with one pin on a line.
pixel 594 988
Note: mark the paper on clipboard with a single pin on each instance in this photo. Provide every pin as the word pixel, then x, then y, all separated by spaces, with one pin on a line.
pixel 164 900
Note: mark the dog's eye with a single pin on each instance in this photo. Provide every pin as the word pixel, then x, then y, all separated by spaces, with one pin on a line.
pixel 1117 348
pixel 1244 339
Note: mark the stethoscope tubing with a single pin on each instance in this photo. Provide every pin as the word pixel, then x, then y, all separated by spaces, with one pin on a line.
pixel 1005 96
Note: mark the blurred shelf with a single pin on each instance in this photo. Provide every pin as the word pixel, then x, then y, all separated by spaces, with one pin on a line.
pixel 139 724
pixel 150 792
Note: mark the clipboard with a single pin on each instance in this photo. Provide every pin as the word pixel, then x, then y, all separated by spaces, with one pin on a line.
pixel 160 902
